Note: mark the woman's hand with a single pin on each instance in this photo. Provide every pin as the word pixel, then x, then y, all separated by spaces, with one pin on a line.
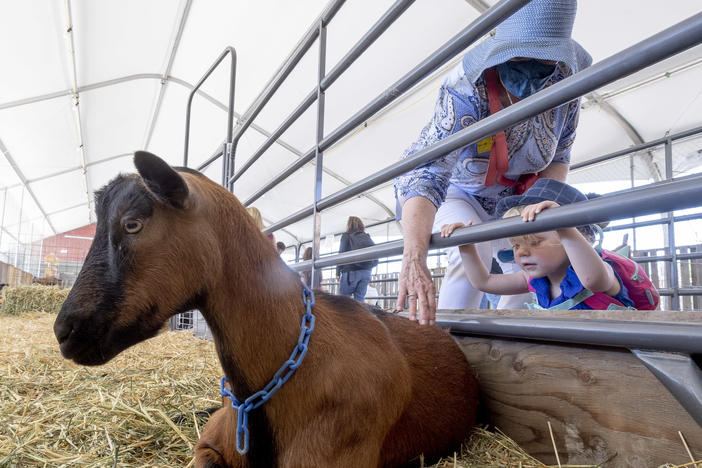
pixel 415 282
pixel 530 211
pixel 416 285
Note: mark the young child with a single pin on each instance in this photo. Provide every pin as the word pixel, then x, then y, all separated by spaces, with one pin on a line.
pixel 560 268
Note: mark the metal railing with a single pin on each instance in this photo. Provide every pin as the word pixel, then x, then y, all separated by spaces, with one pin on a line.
pixel 682 377
pixel 674 290
pixel 229 143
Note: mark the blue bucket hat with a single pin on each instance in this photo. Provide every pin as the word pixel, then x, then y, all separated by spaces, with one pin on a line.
pixel 539 30
pixel 542 190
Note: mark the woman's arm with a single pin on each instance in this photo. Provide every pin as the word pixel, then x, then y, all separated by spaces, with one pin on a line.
pixel 555 170
pixel 415 281
pixel 478 274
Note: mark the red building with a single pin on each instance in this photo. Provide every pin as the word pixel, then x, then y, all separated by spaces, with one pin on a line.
pixel 62 256
pixel 71 246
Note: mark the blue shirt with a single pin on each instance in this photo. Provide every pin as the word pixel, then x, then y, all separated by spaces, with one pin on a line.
pixel 532 144
pixel 570 287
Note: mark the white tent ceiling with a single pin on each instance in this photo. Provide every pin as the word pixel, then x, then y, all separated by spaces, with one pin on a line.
pixel 74 105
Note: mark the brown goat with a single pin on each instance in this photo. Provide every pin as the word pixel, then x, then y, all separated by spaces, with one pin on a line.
pixel 374 390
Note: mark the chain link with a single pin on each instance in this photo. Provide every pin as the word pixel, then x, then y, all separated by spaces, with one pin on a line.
pixel 280 377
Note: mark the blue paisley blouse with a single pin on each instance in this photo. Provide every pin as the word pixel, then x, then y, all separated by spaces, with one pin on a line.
pixel 532 144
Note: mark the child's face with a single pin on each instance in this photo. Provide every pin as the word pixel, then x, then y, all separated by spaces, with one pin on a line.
pixel 540 254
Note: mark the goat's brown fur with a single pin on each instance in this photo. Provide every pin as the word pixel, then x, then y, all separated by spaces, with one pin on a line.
pixel 374 390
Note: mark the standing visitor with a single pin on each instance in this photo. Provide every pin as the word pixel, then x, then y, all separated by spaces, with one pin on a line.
pixel 355 277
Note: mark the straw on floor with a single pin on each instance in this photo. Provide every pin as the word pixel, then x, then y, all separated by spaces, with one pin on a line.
pixel 140 409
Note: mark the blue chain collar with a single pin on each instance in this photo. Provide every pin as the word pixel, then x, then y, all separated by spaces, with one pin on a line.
pixel 280 377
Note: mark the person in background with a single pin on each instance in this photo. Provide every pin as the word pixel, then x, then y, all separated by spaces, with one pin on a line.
pixel 258 219
pixel 307 274
pixel 560 268
pixel 280 246
pixel 355 277
pixel 530 51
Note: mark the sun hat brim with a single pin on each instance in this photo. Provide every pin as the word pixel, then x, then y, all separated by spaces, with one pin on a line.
pixel 494 51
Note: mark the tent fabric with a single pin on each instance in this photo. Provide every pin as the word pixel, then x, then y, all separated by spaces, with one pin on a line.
pixel 86 83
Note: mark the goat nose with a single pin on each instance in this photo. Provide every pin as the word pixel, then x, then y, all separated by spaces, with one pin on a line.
pixel 62 329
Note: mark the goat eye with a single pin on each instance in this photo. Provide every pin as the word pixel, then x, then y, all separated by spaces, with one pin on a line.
pixel 133 226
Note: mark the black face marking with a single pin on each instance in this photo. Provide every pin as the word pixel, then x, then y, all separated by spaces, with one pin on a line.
pixel 85 325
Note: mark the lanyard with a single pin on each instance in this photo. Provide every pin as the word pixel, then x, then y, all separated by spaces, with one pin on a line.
pixel 499 159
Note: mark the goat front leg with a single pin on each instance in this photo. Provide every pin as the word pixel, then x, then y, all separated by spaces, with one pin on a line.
pixel 214 449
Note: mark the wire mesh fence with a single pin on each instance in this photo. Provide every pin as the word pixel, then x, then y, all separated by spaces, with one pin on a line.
pixel 53 261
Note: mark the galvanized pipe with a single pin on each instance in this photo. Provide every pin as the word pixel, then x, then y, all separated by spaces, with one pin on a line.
pixel 230 114
pixel 663 196
pixel 647 52
pixel 618 227
pixel 303 46
pixel 667 336
pixel 637 148
pixel 681 292
pixel 319 156
pixel 680 374
pixel 654 222
pixel 474 31
pixel 393 13
pixel 673 266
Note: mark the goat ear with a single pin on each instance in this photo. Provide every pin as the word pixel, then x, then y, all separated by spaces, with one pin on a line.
pixel 161 179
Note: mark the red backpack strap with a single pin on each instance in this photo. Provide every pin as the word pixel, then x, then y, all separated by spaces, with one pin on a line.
pixel 602 301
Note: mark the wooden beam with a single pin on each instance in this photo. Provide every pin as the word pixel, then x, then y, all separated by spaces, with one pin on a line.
pixel 604 405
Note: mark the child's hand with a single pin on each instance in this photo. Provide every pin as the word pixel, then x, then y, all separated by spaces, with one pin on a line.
pixel 447 229
pixel 530 211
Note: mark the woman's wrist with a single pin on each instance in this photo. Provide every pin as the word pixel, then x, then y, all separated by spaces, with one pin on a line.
pixel 414 254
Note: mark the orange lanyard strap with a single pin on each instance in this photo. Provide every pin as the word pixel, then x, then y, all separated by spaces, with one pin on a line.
pixel 499 160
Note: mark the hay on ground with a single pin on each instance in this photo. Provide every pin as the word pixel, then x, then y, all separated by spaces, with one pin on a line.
pixel 17 300
pixel 56 413
pixel 140 409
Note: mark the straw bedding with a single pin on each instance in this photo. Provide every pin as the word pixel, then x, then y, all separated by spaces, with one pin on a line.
pixel 140 409
pixel 56 413
pixel 18 299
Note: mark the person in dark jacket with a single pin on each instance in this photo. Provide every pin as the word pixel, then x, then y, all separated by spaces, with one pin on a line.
pixel 354 277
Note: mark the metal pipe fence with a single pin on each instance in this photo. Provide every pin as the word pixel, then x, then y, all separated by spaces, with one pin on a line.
pixel 644 260
pixel 657 198
pixel 227 148
pixel 668 42
pixel 450 49
pixel 356 51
